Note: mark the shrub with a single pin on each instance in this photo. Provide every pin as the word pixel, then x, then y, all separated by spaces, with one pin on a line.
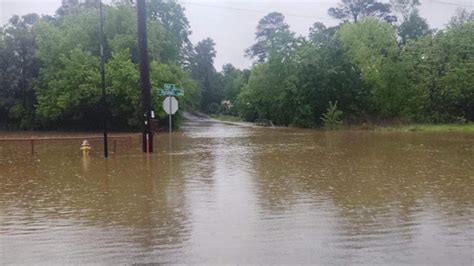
pixel 332 117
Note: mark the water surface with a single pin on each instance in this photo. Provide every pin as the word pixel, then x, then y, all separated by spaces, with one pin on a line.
pixel 229 194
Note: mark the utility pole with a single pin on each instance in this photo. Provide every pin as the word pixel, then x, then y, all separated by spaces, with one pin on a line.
pixel 102 77
pixel 144 76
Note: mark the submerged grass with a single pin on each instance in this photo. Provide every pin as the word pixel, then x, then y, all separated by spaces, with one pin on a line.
pixel 227 118
pixel 469 127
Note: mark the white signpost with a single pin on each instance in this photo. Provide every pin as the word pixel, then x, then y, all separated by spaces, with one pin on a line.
pixel 170 104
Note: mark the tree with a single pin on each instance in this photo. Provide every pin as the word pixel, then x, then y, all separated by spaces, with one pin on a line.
pixel 372 47
pixel 19 68
pixel 440 70
pixel 232 80
pixel 204 72
pixel 170 14
pixel 68 6
pixel 461 17
pixel 412 27
pixel 355 10
pixel 68 89
pixel 405 7
pixel 322 73
pixel 268 29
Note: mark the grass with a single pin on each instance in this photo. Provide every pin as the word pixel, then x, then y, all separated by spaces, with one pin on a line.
pixel 469 127
pixel 228 118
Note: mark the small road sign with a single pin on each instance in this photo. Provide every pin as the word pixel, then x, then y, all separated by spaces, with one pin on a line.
pixel 178 92
pixel 173 92
pixel 168 86
pixel 170 105
pixel 170 90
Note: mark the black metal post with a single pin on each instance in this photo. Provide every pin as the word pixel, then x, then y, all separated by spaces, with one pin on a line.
pixel 144 76
pixel 102 77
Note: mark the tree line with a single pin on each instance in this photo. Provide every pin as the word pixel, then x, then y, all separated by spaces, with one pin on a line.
pixel 381 62
pixel 49 65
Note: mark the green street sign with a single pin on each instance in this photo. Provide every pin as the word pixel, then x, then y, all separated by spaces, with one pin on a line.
pixel 168 86
pixel 163 93
pixel 178 92
pixel 171 90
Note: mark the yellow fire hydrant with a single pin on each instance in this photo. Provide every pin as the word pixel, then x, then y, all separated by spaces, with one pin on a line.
pixel 85 148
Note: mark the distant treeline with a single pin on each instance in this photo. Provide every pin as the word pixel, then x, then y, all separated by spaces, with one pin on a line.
pixel 382 62
pixel 370 67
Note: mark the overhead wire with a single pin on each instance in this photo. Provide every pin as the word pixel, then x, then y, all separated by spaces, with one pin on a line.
pixel 453 4
pixel 254 10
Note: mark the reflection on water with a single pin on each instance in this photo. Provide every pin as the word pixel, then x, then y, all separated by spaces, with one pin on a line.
pixel 230 194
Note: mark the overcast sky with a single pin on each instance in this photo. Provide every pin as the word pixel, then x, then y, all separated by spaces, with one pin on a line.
pixel 231 23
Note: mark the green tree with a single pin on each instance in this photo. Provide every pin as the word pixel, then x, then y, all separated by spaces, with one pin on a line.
pixel 19 67
pixel 266 94
pixel 372 46
pixel 323 73
pixel 69 88
pixel 232 80
pixel 71 92
pixel 461 17
pixel 405 7
pixel 170 15
pixel 413 27
pixel 332 117
pixel 204 72
pixel 355 10
pixel 270 30
pixel 440 70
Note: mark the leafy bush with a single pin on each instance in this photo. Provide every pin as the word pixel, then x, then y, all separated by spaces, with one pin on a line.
pixel 332 117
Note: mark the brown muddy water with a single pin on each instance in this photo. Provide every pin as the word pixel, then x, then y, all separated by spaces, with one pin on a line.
pixel 229 194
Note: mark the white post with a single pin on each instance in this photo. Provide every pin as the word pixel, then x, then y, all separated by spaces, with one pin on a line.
pixel 170 123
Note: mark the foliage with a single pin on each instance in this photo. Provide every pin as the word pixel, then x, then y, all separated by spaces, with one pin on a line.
pixel 369 69
pixel 405 7
pixel 271 30
pixel 332 117
pixel 171 16
pixel 57 80
pixel 372 47
pixel 362 66
pixel 355 10
pixel 71 89
pixel 461 17
pixel 440 70
pixel 19 69
pixel 412 27
pixel 203 71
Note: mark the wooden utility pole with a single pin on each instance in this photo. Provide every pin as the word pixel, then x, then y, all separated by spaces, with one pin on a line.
pixel 144 76
pixel 105 110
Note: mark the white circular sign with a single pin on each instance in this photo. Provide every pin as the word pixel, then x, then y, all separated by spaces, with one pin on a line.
pixel 170 105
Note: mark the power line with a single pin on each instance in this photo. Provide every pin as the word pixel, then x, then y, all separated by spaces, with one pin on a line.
pixel 453 4
pixel 255 11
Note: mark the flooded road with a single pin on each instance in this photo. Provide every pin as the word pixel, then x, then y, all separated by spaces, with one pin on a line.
pixel 229 194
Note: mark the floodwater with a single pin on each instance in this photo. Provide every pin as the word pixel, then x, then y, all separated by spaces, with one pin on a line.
pixel 229 194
